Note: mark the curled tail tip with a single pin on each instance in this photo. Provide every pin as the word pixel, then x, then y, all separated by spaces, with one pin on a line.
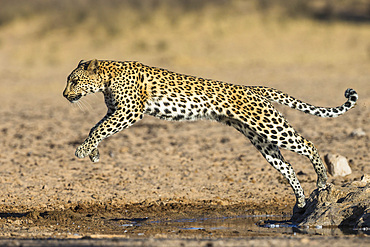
pixel 352 97
pixel 350 92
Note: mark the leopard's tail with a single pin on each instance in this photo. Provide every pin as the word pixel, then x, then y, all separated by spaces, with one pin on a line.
pixel 284 99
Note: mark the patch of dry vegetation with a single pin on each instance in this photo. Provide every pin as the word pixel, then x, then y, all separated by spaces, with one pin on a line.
pixel 261 40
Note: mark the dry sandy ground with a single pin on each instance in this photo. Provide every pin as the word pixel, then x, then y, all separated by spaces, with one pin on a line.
pixel 156 169
pixel 169 170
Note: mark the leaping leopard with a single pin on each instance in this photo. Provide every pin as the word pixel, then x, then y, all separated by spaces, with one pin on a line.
pixel 132 89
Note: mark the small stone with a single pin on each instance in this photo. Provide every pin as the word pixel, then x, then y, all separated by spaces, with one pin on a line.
pixel 17 222
pixel 305 241
pixel 337 165
pixel 365 178
pixel 358 133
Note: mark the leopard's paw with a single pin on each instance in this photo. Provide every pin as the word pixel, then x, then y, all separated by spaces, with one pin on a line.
pixel 82 151
pixel 301 202
pixel 321 181
pixel 94 155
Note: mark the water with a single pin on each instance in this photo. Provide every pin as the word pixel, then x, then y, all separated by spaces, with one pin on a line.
pixel 245 225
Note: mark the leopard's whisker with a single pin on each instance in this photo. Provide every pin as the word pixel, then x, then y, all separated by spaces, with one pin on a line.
pixel 73 105
pixel 80 106
pixel 85 104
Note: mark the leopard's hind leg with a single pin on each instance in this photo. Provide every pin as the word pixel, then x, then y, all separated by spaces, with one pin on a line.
pixel 285 136
pixel 272 154
pixel 304 147
pixel 280 133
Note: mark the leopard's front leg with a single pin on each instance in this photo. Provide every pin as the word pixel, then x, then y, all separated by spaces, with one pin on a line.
pixel 83 150
pixel 108 126
pixel 111 109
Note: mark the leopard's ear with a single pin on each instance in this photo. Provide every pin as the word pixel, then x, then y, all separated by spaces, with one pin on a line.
pixel 93 66
pixel 81 62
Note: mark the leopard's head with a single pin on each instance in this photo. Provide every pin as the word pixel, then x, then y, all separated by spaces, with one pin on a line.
pixel 83 80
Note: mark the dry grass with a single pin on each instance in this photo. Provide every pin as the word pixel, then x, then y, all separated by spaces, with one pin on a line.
pixel 238 41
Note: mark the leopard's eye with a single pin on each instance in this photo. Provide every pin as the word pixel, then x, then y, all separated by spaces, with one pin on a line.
pixel 74 82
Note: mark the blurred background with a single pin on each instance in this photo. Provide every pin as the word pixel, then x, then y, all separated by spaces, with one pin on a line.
pixel 247 42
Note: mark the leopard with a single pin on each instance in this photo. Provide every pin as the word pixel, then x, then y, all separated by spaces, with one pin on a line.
pixel 132 89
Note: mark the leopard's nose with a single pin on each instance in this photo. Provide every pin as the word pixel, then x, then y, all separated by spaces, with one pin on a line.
pixel 65 93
